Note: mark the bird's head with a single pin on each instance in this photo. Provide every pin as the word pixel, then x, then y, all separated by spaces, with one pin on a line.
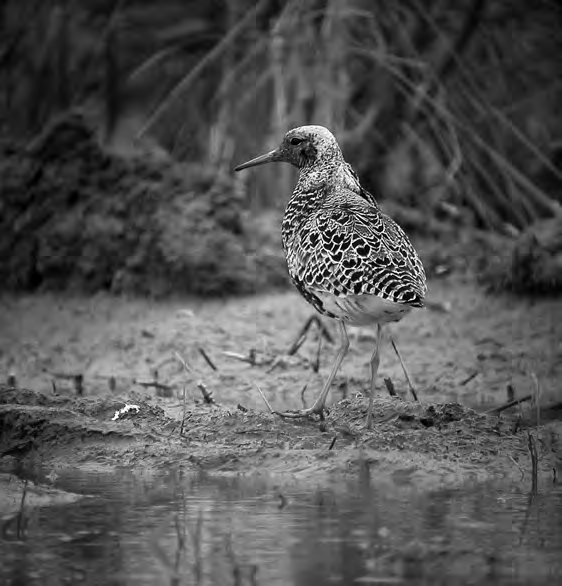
pixel 302 147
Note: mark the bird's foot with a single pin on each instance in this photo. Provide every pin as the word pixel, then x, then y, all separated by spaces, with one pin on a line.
pixel 318 410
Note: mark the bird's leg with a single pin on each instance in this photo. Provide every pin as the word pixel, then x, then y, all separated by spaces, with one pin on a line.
pixel 318 406
pixel 412 389
pixel 375 360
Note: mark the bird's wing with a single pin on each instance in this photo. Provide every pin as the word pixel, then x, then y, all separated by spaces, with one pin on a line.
pixel 353 248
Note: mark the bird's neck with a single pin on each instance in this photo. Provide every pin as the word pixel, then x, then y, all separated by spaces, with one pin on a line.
pixel 314 181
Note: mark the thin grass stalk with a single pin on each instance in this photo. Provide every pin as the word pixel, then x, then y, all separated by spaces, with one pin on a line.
pixel 330 45
pixel 487 110
pixel 112 92
pixel 545 203
pixel 151 63
pixel 280 110
pixel 502 201
pixel 486 214
pixel 533 191
pixel 94 55
pixel 521 203
pixel 211 57
pixel 254 91
pixel 61 65
pixel 473 93
pixel 540 198
pixel 220 147
pixel 232 77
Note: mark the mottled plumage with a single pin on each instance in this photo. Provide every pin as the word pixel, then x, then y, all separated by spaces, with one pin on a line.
pixel 349 260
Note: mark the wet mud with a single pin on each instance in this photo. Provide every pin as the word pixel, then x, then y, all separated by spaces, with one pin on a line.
pixel 466 361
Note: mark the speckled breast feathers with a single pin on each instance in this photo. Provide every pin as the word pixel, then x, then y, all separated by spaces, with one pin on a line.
pixel 340 247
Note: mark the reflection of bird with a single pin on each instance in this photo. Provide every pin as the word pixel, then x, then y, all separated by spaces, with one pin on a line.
pixel 348 259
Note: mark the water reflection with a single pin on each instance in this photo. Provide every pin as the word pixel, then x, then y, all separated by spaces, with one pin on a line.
pixel 170 528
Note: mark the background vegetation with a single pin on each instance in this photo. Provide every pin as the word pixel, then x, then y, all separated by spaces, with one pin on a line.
pixel 450 109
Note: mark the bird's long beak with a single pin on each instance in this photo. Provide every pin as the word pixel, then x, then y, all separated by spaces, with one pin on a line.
pixel 261 160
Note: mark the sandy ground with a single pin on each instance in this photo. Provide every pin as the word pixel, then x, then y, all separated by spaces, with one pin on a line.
pixel 468 355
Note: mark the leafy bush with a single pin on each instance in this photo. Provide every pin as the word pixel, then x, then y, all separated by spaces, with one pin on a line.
pixel 75 216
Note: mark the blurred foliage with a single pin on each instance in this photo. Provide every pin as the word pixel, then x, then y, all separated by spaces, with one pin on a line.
pixel 447 108
pixel 530 265
pixel 436 104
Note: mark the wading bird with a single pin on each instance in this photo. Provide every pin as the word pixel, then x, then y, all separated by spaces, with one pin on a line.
pixel 347 259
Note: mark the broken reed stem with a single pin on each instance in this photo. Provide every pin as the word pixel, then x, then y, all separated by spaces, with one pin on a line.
pixel 265 400
pixel 390 387
pixel 207 395
pixel 510 392
pixel 207 358
pixel 79 385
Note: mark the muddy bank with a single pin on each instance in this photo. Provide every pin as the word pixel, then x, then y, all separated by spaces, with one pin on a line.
pixel 478 353
pixel 411 443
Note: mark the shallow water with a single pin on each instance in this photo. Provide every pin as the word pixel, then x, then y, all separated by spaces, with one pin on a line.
pixel 171 528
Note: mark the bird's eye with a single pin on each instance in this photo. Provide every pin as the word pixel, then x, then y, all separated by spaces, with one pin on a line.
pixel 296 141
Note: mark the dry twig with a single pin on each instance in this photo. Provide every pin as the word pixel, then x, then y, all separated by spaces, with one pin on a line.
pixel 313 319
